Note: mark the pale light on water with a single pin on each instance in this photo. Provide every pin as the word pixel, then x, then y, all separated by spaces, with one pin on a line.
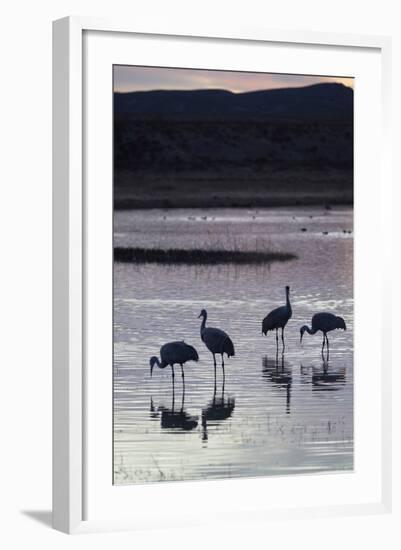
pixel 273 416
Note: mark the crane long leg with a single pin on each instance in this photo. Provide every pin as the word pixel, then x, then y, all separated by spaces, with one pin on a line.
pixel 214 361
pixel 328 348
pixel 172 375
pixel 276 338
pixel 282 338
pixel 222 364
pixel 182 374
pixel 183 393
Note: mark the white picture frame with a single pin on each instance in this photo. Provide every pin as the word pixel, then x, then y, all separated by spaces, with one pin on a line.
pixel 72 255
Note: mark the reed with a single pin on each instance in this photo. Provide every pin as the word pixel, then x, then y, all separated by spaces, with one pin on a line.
pixel 198 256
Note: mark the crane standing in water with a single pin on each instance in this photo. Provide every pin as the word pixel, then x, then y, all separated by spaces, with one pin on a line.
pixel 174 353
pixel 216 341
pixel 278 318
pixel 325 322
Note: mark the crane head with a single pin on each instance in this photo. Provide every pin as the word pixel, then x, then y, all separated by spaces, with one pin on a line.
pixel 302 331
pixel 153 360
pixel 202 313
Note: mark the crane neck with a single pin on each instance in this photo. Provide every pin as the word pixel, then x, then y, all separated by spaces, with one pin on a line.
pixel 161 364
pixel 203 324
pixel 287 300
pixel 309 330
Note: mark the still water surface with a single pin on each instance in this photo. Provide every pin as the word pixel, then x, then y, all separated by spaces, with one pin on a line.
pixel 274 415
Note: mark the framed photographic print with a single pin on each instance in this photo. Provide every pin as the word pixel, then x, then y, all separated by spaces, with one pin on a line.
pixel 228 188
pixel 216 271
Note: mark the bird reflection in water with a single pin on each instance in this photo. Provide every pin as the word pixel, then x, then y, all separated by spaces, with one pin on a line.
pixel 173 419
pixel 324 377
pixel 280 373
pixel 217 410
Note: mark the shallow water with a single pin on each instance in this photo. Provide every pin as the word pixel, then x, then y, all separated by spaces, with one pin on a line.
pixel 274 415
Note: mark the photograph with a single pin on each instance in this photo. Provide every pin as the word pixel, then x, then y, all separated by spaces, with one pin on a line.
pixel 233 274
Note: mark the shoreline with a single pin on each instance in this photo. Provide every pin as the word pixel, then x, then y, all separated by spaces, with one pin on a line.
pixel 132 203
pixel 280 189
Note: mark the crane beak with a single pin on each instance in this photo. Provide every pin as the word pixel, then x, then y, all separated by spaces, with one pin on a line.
pixel 151 370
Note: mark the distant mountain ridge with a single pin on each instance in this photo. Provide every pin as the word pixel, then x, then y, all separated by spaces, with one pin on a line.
pixel 319 102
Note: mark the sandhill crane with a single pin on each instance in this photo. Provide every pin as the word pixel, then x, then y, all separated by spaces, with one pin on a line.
pixel 174 353
pixel 216 341
pixel 325 322
pixel 278 318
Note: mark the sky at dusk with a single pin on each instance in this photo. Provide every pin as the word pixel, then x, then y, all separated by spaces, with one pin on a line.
pixel 127 79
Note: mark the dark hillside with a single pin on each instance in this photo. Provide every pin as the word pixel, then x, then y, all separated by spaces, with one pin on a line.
pixel 326 102
pixel 272 140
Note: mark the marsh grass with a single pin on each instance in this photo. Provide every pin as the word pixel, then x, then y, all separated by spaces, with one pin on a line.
pixel 199 256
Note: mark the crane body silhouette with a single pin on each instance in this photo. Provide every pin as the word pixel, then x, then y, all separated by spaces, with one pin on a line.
pixel 216 341
pixel 174 353
pixel 325 322
pixel 278 318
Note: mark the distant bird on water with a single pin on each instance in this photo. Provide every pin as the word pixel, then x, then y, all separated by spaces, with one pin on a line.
pixel 325 322
pixel 278 318
pixel 174 353
pixel 216 341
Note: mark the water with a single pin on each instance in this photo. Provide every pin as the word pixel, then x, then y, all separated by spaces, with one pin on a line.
pixel 274 415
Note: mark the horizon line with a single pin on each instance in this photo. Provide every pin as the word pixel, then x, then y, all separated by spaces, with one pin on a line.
pixel 132 78
pixel 233 92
